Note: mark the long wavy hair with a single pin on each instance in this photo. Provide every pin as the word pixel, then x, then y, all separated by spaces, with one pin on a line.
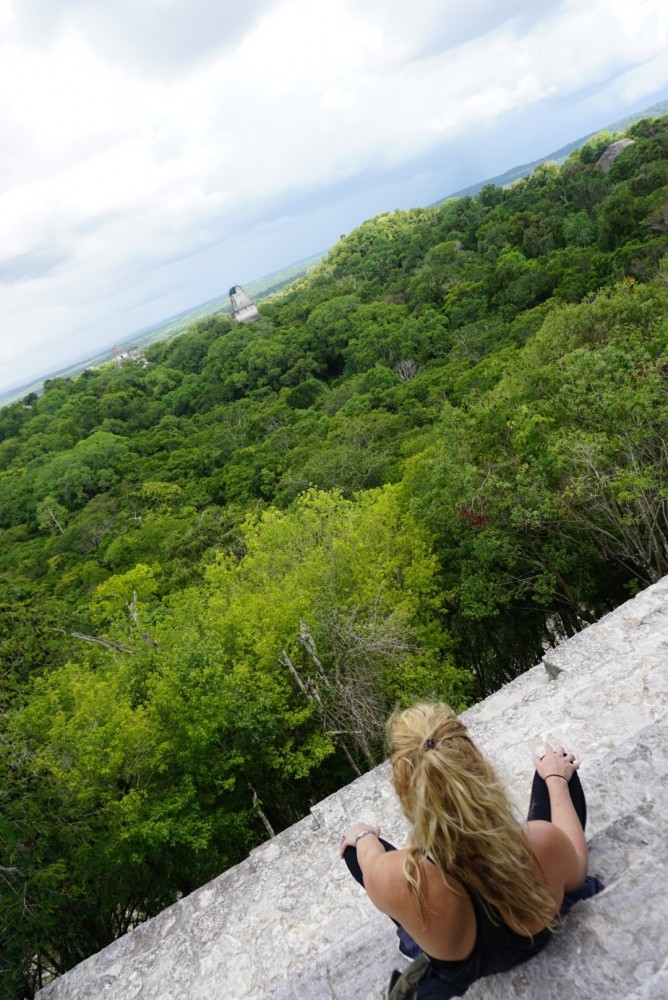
pixel 461 818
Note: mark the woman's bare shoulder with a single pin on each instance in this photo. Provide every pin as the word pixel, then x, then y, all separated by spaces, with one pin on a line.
pixel 447 929
pixel 384 880
pixel 388 888
pixel 555 853
pixel 544 837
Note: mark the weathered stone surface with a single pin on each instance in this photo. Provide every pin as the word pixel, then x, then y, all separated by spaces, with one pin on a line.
pixel 291 923
pixel 612 152
pixel 243 309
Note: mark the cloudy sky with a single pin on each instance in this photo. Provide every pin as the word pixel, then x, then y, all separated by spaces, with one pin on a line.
pixel 155 152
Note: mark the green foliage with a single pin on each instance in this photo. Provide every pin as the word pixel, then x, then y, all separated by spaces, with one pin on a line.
pixel 579 230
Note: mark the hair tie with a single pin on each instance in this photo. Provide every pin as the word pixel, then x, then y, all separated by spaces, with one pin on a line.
pixel 429 743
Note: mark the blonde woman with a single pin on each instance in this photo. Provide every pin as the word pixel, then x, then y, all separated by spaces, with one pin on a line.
pixel 475 890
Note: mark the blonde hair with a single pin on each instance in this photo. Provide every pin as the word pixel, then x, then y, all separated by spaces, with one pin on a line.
pixel 461 818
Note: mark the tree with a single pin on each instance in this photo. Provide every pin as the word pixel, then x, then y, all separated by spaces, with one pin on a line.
pixel 51 516
pixel 579 230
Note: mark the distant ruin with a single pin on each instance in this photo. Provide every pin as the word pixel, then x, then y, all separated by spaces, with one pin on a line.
pixel 612 152
pixel 123 354
pixel 243 309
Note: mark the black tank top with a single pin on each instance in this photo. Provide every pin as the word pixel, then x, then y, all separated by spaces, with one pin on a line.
pixel 496 949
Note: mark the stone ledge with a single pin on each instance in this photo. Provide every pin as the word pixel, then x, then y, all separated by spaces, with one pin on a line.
pixel 641 620
pixel 291 923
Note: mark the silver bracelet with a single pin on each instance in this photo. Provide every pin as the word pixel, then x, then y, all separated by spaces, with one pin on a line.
pixel 363 833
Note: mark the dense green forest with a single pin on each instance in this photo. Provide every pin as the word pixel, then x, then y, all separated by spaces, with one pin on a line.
pixel 439 451
pixel 259 289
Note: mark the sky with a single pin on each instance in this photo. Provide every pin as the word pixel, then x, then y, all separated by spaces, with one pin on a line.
pixel 156 152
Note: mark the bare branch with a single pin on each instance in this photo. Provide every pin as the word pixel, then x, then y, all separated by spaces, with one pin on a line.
pixel 107 643
pixel 258 807
pixel 132 606
pixel 53 517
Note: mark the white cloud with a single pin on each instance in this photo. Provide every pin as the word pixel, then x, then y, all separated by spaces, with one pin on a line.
pixel 146 38
pixel 139 133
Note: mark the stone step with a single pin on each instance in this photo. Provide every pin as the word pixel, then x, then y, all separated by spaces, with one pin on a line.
pixel 638 624
pixel 607 949
pixel 289 922
pixel 631 840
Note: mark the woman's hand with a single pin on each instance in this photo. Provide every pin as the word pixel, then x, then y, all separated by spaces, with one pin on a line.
pixel 557 762
pixel 348 836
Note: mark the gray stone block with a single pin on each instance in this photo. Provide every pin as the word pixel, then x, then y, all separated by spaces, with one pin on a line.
pixel 291 923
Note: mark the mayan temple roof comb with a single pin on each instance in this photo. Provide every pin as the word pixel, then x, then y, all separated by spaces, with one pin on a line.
pixel 243 310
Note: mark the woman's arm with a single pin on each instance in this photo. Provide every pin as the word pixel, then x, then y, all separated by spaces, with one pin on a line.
pixel 355 833
pixel 556 768
pixel 381 869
